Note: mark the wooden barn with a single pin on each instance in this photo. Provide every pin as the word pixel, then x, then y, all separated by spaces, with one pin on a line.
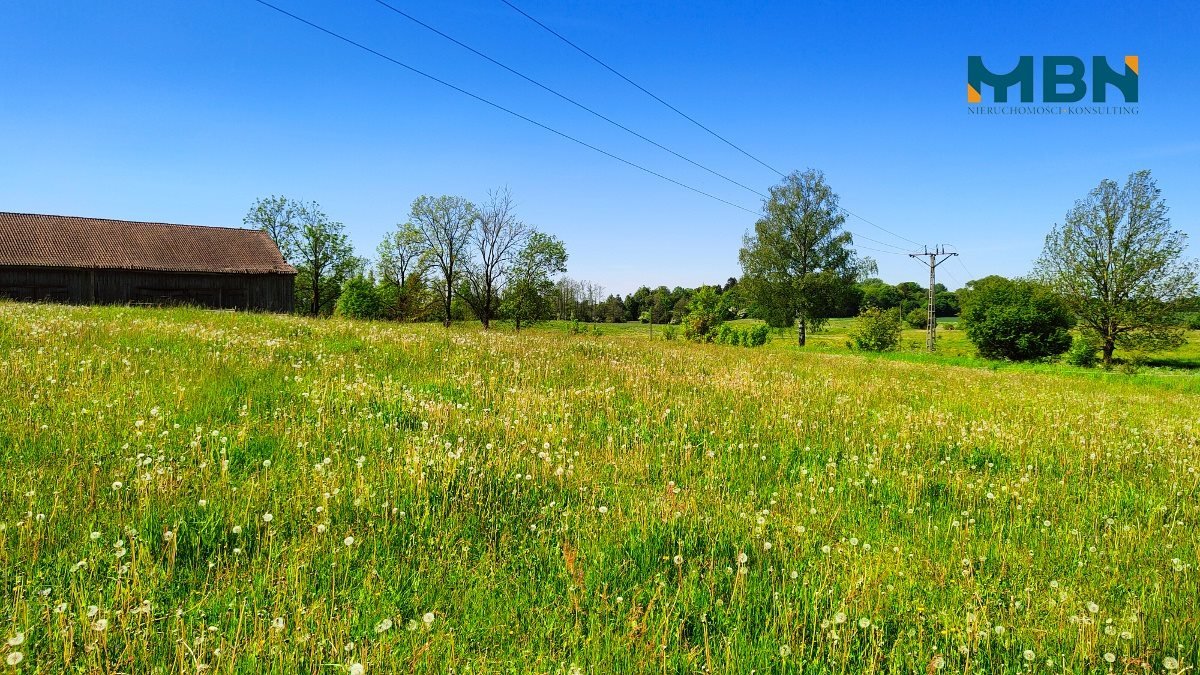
pixel 93 260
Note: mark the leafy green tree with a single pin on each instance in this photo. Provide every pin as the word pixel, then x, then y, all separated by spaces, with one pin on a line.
pixel 445 224
pixel 876 330
pixel 1120 267
pixel 402 264
pixel 880 294
pixel 527 297
pixel 324 260
pixel 798 262
pixel 359 300
pixel 945 303
pixel 280 218
pixel 704 315
pixel 1019 320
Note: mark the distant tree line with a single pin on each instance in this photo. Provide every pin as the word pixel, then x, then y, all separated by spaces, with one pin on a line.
pixel 450 260
pixel 1111 276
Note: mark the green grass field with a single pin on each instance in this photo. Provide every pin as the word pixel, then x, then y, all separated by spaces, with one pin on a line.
pixel 189 491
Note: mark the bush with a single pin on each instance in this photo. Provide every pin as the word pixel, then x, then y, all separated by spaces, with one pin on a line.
pixel 754 336
pixel 670 332
pixel 757 336
pixel 876 330
pixel 918 318
pixel 1017 320
pixel 359 300
pixel 1083 352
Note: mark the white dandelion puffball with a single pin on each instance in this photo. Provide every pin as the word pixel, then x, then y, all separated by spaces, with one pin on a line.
pixel 237 529
pixel 384 625
pixel 742 558
pixel 1029 655
pixel 1170 663
pixel 357 669
pixel 16 639
pixel 603 509
pixel 678 560
pixel 349 541
pixel 864 622
pixel 428 618
pixel 14 658
pixel 267 517
pixel 1110 657
pixel 100 625
pixel 277 623
pixel 785 651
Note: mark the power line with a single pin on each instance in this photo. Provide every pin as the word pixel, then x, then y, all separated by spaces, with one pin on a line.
pixel 881 228
pixel 498 106
pixel 566 98
pixel 970 274
pixel 640 87
pixel 534 122
pixel 682 114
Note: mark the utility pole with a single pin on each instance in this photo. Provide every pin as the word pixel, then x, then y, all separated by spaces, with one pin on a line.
pixel 937 256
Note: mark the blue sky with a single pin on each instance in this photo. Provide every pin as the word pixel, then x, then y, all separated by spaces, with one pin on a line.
pixel 188 111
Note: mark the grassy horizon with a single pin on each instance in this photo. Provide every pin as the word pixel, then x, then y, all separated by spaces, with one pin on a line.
pixel 192 491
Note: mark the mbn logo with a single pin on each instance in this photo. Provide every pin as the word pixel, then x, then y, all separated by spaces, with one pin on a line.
pixel 1062 79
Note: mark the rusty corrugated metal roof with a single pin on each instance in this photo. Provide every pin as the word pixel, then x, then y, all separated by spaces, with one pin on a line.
pixel 33 240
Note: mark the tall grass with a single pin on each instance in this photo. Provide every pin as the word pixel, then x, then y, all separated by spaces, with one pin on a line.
pixel 191 491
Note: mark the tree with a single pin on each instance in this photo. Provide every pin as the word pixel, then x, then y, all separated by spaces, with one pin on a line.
pixel 497 237
pixel 402 252
pixel 527 296
pixel 1019 320
pixel 876 330
pixel 324 259
pixel 445 224
pixel 280 218
pixel 359 300
pixel 1120 267
pixel 880 294
pixel 704 314
pixel 402 262
pixel 798 263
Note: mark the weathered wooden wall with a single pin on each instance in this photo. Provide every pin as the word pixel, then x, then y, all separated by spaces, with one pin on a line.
pixel 268 292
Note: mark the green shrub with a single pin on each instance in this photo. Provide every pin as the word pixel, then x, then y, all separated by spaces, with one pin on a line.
pixel 918 318
pixel 670 332
pixel 359 300
pixel 1018 320
pixel 1083 352
pixel 757 336
pixel 876 330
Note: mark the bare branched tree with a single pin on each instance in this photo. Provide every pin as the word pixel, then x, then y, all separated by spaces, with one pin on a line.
pixel 497 238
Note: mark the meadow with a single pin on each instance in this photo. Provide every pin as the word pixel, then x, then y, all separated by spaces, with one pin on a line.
pixel 190 491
